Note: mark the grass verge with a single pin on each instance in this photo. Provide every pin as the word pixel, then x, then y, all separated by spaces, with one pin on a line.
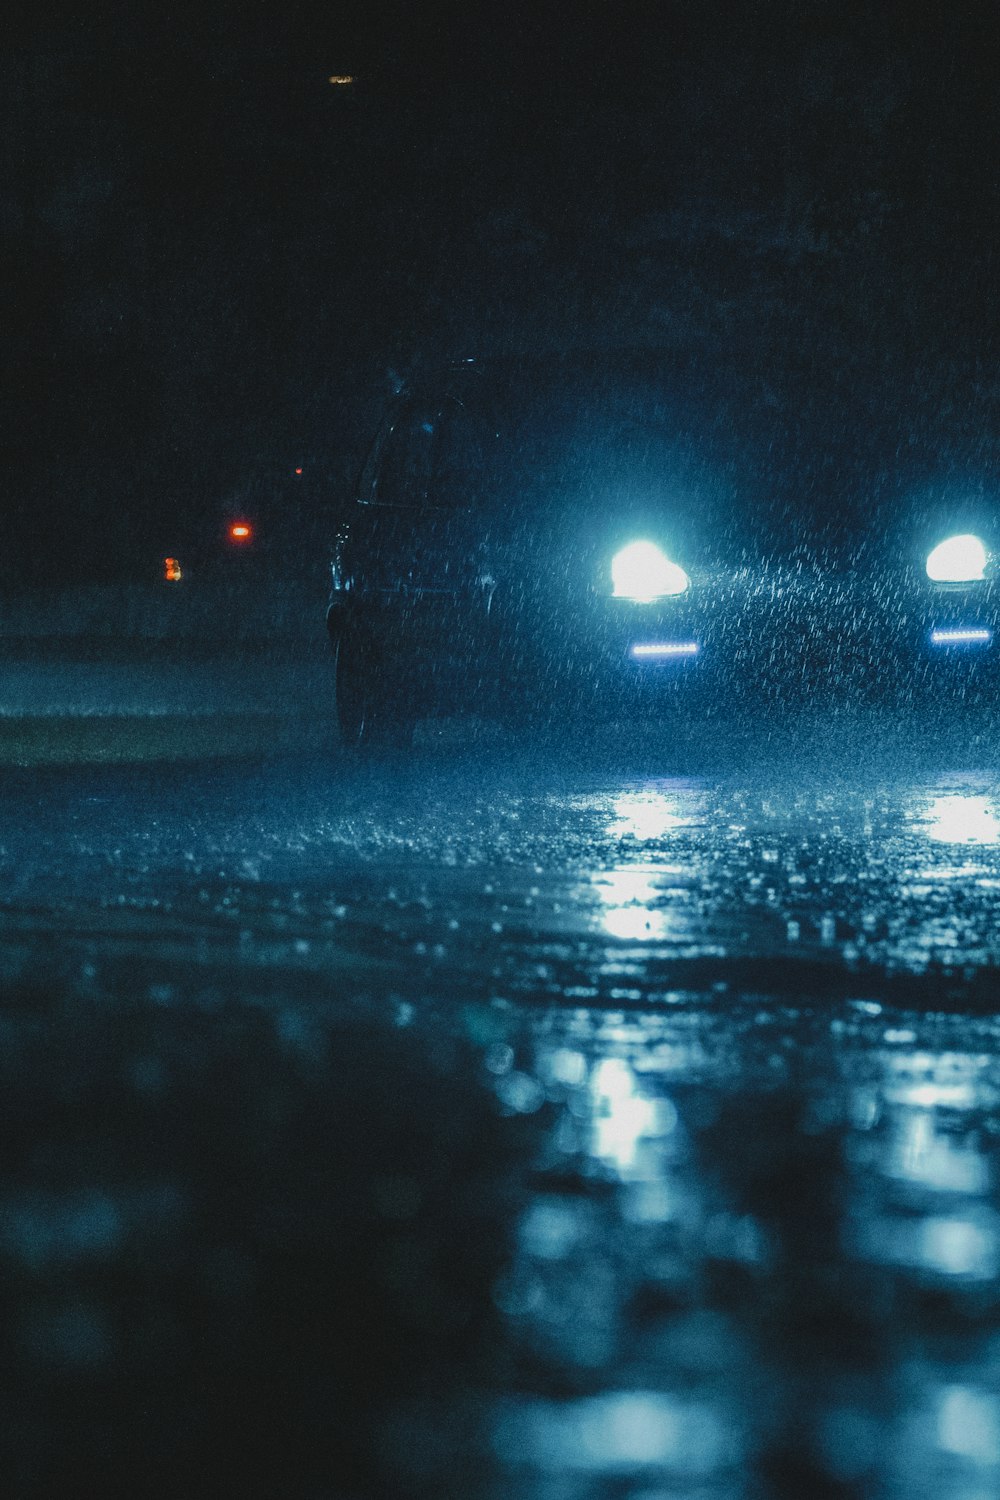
pixel 34 740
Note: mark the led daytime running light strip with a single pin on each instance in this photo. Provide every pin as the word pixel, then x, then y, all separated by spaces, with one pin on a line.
pixel 961 637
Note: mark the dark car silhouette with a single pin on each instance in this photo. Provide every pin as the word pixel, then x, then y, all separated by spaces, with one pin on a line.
pixel 632 533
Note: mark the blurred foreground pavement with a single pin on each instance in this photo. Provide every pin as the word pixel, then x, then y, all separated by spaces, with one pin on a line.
pixel 495 1124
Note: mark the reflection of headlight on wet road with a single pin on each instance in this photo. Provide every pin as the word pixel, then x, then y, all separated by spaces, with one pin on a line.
pixel 628 909
pixel 644 815
pixel 636 924
pixel 623 1116
pixel 636 885
pixel 963 819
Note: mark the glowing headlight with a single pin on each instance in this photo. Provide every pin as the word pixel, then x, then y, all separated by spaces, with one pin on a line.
pixel 960 559
pixel 642 572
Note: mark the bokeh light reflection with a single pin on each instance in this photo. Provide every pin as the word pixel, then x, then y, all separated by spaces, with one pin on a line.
pixel 621 1432
pixel 632 903
pixel 968 1425
pixel 964 1246
pixel 649 814
pixel 963 818
pixel 623 1117
pixel 923 1153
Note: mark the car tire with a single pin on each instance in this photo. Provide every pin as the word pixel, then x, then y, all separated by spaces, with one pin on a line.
pixel 370 714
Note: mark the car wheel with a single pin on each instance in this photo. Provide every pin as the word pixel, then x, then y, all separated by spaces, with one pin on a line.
pixel 370 713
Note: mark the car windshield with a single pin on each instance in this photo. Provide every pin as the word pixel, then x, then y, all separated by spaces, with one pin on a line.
pixel 440 453
pixel 721 449
pixel 569 449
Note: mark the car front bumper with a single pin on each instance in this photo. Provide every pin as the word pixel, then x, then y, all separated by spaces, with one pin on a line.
pixel 766 638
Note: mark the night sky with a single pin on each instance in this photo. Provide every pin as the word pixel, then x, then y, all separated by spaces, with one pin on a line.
pixel 221 260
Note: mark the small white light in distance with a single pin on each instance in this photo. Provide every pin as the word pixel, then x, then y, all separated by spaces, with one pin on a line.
pixel 958 559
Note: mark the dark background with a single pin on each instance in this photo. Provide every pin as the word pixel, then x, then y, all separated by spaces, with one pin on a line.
pixel 219 262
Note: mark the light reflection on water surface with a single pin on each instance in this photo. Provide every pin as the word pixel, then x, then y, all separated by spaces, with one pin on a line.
pixel 754 1247
pixel 763 1258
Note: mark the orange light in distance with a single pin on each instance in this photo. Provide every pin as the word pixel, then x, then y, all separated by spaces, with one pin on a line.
pixel 298 471
pixel 342 80
pixel 172 570
pixel 240 531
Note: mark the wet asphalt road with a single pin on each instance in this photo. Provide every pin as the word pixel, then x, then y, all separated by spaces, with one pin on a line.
pixel 506 1122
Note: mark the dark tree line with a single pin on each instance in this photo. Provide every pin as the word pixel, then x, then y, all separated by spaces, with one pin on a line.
pixel 217 255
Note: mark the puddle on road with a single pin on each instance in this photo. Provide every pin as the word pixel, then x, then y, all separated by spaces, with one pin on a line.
pixel 898 876
pixel 615 1143
pixel 588 891
pixel 734 1246
pixel 761 1256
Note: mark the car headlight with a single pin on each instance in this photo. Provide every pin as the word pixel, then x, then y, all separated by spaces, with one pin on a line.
pixel 642 572
pixel 959 559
